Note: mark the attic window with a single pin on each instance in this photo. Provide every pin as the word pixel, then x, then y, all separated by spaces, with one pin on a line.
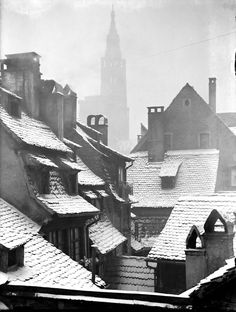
pixel 187 102
pixel 43 182
pixel 167 182
pixel 12 258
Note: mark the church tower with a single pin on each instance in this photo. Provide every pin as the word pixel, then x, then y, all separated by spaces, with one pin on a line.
pixel 113 67
pixel 112 100
pixel 113 85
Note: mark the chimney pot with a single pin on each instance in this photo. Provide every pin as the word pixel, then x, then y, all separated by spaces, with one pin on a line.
pixel 155 133
pixel 212 94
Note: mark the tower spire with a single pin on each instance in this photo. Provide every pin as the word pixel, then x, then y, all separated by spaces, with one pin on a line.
pixel 113 40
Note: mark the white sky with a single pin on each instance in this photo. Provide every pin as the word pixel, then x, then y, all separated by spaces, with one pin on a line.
pixel 70 36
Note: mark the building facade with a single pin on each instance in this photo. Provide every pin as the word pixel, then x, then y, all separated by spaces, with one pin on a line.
pixel 188 148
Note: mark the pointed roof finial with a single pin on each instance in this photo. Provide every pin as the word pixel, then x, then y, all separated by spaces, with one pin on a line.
pixel 112 13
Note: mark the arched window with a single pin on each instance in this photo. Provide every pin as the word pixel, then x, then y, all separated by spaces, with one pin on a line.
pixel 101 120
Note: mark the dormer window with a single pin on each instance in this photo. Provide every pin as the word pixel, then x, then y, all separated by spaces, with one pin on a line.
pixel 43 182
pixel 121 175
pixel 168 182
pixel 168 172
pixel 11 258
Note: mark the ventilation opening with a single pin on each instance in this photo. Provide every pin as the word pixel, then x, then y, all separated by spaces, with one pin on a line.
pixel 194 241
pixel 187 102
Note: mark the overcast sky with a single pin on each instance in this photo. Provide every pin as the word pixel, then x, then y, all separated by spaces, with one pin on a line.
pixel 165 44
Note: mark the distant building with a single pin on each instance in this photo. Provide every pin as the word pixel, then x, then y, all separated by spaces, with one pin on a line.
pixel 112 101
pixel 188 148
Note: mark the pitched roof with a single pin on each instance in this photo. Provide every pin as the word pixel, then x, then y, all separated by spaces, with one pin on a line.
pixel 105 236
pixel 197 174
pixel 34 159
pixel 44 264
pixel 129 273
pixel 93 136
pixel 31 131
pixel 189 211
pixel 228 118
pixel 87 176
pixel 218 278
pixel 67 205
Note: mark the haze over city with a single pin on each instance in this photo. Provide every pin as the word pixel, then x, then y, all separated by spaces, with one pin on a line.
pixel 165 43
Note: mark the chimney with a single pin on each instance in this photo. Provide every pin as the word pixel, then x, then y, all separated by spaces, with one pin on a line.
pixel 70 109
pixel 22 76
pixel 52 106
pixel 99 123
pixel 212 94
pixel 155 133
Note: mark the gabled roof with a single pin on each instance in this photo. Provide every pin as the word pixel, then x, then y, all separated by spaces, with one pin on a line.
pixel 228 118
pixel 93 136
pixel 105 236
pixel 129 273
pixel 87 176
pixel 65 205
pixel 44 264
pixel 31 132
pixel 189 211
pixel 197 174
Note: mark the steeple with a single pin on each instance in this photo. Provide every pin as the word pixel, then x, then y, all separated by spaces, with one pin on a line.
pixel 113 40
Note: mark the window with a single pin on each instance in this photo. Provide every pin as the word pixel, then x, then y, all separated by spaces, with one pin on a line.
pixel 120 174
pixel 12 257
pixel 167 182
pixel 72 184
pixel 233 176
pixel 70 241
pixel 43 182
pixel 13 108
pixel 204 140
pixel 168 141
pixel 187 102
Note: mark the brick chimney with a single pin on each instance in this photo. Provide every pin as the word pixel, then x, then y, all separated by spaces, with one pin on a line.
pixel 52 106
pixel 155 133
pixel 212 94
pixel 99 123
pixel 70 109
pixel 216 246
pixel 22 76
